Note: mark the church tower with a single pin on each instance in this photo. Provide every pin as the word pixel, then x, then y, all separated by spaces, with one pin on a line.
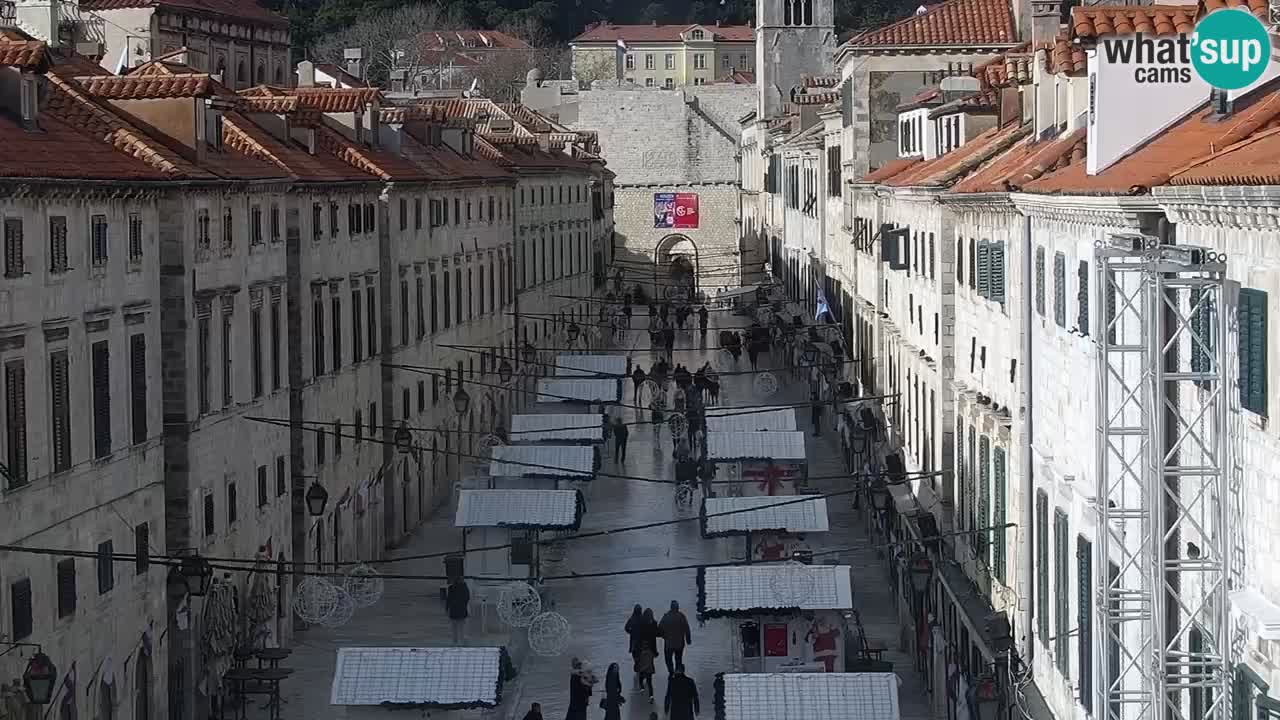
pixel 793 38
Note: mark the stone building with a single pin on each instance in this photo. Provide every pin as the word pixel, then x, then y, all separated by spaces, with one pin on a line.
pixel 663 56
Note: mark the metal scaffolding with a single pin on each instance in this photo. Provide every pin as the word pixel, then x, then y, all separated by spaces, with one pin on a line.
pixel 1162 502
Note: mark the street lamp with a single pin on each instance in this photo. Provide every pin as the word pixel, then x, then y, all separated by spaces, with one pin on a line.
pixel 809 355
pixel 461 401
pixel 921 571
pixel 39 679
pixel 317 497
pixel 197 574
pixel 403 439
pixel 504 371
pixel 573 331
pixel 528 352
pixel 986 696
pixel 880 495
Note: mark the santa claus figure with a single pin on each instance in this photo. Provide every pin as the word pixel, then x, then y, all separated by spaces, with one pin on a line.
pixel 822 639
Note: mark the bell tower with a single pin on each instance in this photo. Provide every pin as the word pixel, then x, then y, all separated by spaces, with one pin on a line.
pixel 793 38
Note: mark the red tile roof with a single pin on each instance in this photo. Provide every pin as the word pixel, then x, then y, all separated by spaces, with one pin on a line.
pixel 443 164
pixel 1065 56
pixel 986 101
pixel 379 163
pixel 995 72
pixel 890 169
pixel 968 23
pixel 946 169
pixel 71 64
pixel 1099 20
pixel 820 81
pixel 924 98
pixel 742 77
pixel 244 10
pixel 154 87
pixel 272 105
pixel 67 150
pixel 1025 162
pixel 250 139
pixel 1253 161
pixel 1196 136
pixel 27 54
pixel 319 99
pixel 473 39
pixel 605 32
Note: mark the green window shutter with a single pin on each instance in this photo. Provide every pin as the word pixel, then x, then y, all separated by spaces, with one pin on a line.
pixel 1084 620
pixel 1042 566
pixel 1110 294
pixel 962 476
pixel 1061 594
pixel 972 477
pixel 997 535
pixel 1252 315
pixel 1202 346
pixel 984 495
pixel 1082 297
pixel 1040 281
pixel 1060 289
pixel 995 272
pixel 984 268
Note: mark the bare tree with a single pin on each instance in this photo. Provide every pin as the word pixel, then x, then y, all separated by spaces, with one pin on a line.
pixel 503 71
pixel 403 38
pixel 595 66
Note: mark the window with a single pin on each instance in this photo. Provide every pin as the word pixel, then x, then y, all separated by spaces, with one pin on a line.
pixel 337 438
pixel 353 219
pixel 973 264
pixel 208 515
pixel 669 84
pixel 281 484
pixel 744 62
pixel 371 299
pixel 316 214
pixel 275 223
pixel 457 295
pixel 262 486
pixel 233 504
pixel 417 213
pixel 335 320
pixel 1040 281
pixel 20 606
pixel 1060 289
pixel 317 332
pixel 321 437
pixel 669 61
pixel 435 315
pixel 1084 620
pixel 137 386
pixel 101 371
pixel 648 82
pixel 1061 648
pixel 370 223
pixel 480 294
pixel 404 312
pixel 984 495
pixel 699 61
pixel 1252 316
pixel 406 406
pixel 255 348
pixel 648 61
pixel 13 248
pixel 357 335
pixel 448 316
pixel 726 62
pixel 255 225
pixel 275 339
pixel 422 395
pixel 1082 297
pixel 228 229
pixel 106 567
pixel 66 575
pixel 998 548
pixel 60 403
pixel 58 244
pixel 141 548
pixel 333 219
pixel 419 288
pixel 933 250
pixel 202 357
pixel 631 62
pixel 98 238
pixel 404 214
pixel 202 229
pixel 492 306
pixel 1203 324
pixel 470 293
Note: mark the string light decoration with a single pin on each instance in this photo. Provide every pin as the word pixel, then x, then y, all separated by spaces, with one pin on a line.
pixel 650 389
pixel 549 634
pixel 678 425
pixel 314 599
pixel 364 585
pixel 765 384
pixel 344 607
pixel 793 583
pixel 764 314
pixel 487 444
pixel 518 604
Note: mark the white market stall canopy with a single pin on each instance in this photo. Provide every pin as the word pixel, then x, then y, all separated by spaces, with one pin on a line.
pixel 781 446
pixel 809 696
pixel 557 427
pixel 543 461
pixel 737 292
pixel 764 513
pixel 586 390
pixel 591 365
pixel 447 677
pixel 745 590
pixel 727 419
pixel 540 509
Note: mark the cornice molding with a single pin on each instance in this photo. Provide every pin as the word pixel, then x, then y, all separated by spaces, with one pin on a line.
pixel 1244 207
pixel 1106 210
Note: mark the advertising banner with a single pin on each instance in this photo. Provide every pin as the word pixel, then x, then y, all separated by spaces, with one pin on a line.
pixel 675 210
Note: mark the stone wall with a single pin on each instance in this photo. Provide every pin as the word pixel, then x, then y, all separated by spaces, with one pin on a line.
pixel 716 236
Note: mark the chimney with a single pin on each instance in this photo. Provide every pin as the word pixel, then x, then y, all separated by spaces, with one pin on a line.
pixel 353 56
pixel 306 74
pixel 1046 22
pixel 40 18
pixel 958 86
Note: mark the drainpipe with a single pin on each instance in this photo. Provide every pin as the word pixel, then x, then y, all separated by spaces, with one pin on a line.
pixel 1026 613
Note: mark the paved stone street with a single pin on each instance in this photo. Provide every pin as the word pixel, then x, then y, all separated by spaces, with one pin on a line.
pixel 411 613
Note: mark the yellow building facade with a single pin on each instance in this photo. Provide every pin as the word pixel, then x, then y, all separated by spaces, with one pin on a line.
pixel 664 56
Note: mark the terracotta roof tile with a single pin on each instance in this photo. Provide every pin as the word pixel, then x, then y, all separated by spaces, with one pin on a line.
pixel 997 71
pixel 408 113
pixel 239 9
pixel 1065 56
pixel 1253 161
pixel 333 100
pixel 820 81
pixel 250 139
pixel 946 169
pixel 954 22
pixel 129 87
pixel 741 77
pixel 442 163
pixel 473 39
pixel 1098 20
pixel 890 169
pixel 379 163
pixel 70 64
pixel 980 102
pixel 820 98
pixel 30 54
pixel 1023 163
pixel 67 150
pixel 605 32
pixel 1194 137
pixel 271 105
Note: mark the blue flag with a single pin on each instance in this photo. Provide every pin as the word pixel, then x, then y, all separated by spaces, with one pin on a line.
pixel 823 305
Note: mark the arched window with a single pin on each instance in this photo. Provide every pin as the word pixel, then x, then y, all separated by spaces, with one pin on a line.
pixel 242 73
pixel 808 12
pixel 222 69
pixel 279 75
pixel 142 686
pixel 260 76
pixel 786 20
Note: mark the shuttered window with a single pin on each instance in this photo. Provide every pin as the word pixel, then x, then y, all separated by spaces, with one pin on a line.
pixel 255 349
pixel 233 504
pixel 457 286
pixel 973 264
pixel 963 477
pixel 1062 593
pixel 317 332
pixel 262 486
pixel 101 399
pixel 335 321
pixel 282 485
pixel 275 340
pixel 1202 324
pixel 1084 620
pixel 138 386
pixel 141 548
pixel 984 269
pixel 202 361
pixel 998 549
pixel 1042 565
pixel 984 496
pixel 66 585
pixel 106 567
pixel 932 251
pixel 60 407
pixel 98 234
pixel 973 479
pixel 404 312
pixel 135 237
pixel 57 244
pixel 960 261
pixel 1040 281
pixel 14 265
pixel 435 303
pixel 20 605
pixel 1252 314
pixel 357 335
pixel 420 289
pixel 15 416
pixel 1082 298
pixel 371 309
pixel 1060 289
pixel 995 273
pixel 1109 294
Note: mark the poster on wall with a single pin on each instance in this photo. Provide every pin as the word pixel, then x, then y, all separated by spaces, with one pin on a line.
pixel 675 210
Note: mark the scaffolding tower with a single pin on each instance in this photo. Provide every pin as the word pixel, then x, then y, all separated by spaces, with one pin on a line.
pixel 1162 559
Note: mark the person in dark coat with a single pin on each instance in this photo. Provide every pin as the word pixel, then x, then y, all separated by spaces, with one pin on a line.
pixel 637 379
pixel 613 700
pixel 457 603
pixel 816 414
pixel 535 712
pixel 620 434
pixel 645 634
pixel 669 340
pixel 702 319
pixel 681 702
pixel 579 692
pixel 675 637
pixel 635 630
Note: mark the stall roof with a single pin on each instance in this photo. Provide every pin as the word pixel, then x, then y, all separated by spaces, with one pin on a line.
pixel 554 461
pixel 784 446
pixel 778 513
pixel 591 365
pixel 748 590
pixel 585 390
pixel 807 696
pixel 442 678
pixel 728 419
pixel 533 509
pixel 564 427
pixel 738 291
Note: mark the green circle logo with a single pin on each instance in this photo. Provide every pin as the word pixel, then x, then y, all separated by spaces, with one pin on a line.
pixel 1231 49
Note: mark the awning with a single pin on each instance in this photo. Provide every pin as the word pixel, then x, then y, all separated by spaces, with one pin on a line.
pixel 586 390
pixel 750 420
pixel 591 365
pixel 535 509
pixel 807 696
pixel 543 461
pixel 747 590
pixel 1262 614
pixel 557 427
pixel 449 677
pixel 778 513
pixel 783 446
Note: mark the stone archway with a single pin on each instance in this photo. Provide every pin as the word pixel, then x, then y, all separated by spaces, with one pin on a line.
pixel 676 264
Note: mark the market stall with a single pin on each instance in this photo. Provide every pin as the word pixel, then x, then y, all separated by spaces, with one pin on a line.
pixel 774 527
pixel 430 678
pixel 791 616
pixel 599 366
pixel 758 463
pixel 807 696
pixel 512 521
pixel 541 467
pixel 780 419
pixel 587 391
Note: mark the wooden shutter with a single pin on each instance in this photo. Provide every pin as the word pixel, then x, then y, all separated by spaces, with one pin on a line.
pixel 15 394
pixel 960 262
pixel 998 534
pixel 255 349
pixel 281 485
pixel 995 272
pixel 1060 289
pixel 963 477
pixel 262 486
pixel 1082 297
pixel 13 248
pixel 1084 620
pixel 20 605
pixel 66 586
pixel 101 369
pixel 1109 294
pixel 371 309
pixel 984 495
pixel 984 269
pixel 1061 593
pixel 1203 344
pixel 138 386
pixel 404 312
pixel 141 548
pixel 60 399
pixel 1042 565
pixel 1252 314
pixel 1040 281
pixel 106 567
pixel 973 479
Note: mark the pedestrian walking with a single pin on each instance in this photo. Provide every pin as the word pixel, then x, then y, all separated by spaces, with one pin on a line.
pixel 645 633
pixel 637 379
pixel 580 687
pixel 457 604
pixel 635 629
pixel 612 701
pixel 620 434
pixel 816 414
pixel 669 340
pixel 535 712
pixel 681 702
pixel 608 431
pixel 675 637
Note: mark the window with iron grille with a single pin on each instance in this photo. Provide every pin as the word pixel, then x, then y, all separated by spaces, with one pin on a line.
pixel 357 334
pixel 60 406
pixel 275 339
pixel 20 606
pixel 1084 620
pixel 317 216
pixel 1042 565
pixel 101 370
pixel 98 236
pixel 1062 593
pixel 1060 289
pixel 1251 312
pixel 228 228
pixel 106 567
pixel 262 486
pixel 209 525
pixel 141 548
pixel 14 263
pixel 404 312
pixel 255 225
pixel 275 223
pixel 58 244
pixel 135 237
pixel 335 320
pixel 371 307
pixel 984 496
pixel 419 289
pixel 138 386
pixel 66 579
pixel 282 483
